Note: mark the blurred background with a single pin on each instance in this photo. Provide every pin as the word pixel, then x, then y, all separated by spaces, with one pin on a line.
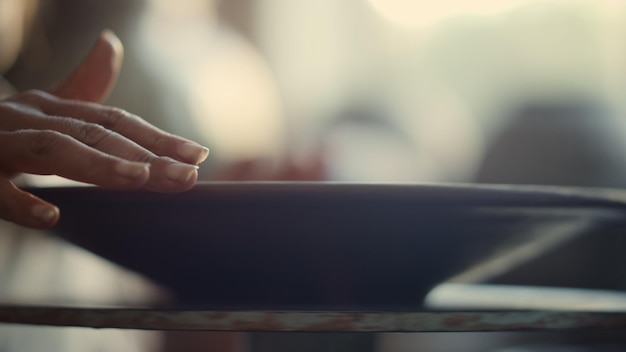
pixel 510 91
pixel 481 91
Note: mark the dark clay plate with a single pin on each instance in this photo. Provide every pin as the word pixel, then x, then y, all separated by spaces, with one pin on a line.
pixel 317 245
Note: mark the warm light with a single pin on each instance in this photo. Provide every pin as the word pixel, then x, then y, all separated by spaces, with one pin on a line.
pixel 235 103
pixel 219 78
pixel 424 13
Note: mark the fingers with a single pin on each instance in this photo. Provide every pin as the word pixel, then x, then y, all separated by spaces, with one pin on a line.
pixel 130 126
pixel 51 152
pixel 95 77
pixel 166 174
pixel 172 159
pixel 55 152
pixel 24 208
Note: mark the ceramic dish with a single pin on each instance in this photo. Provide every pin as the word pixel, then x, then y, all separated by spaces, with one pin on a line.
pixel 317 245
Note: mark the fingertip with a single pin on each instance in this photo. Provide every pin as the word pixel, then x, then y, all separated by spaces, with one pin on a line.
pixel 108 33
pixel 112 39
pixel 192 152
pixel 181 176
pixel 170 176
pixel 47 215
pixel 93 80
pixel 189 183
pixel 132 169
pixel 131 175
pixel 114 42
pixel 25 209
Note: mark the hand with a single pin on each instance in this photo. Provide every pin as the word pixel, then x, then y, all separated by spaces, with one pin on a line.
pixel 66 132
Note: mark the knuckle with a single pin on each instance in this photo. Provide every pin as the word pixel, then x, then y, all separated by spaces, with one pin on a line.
pixel 91 134
pixel 111 117
pixel 33 96
pixel 146 157
pixel 44 142
pixel 155 142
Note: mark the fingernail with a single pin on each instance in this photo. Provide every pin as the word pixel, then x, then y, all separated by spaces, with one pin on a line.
pixel 193 152
pixel 180 172
pixel 132 169
pixel 44 213
pixel 110 37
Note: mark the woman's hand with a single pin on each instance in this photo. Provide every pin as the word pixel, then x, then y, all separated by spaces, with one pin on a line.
pixel 66 132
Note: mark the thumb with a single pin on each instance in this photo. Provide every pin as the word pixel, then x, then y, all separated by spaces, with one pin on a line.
pixel 94 79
